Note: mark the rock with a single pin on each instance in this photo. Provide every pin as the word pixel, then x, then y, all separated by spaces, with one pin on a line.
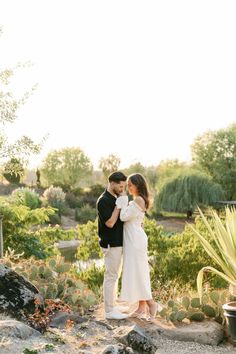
pixel 207 332
pixel 136 338
pixel 60 319
pixel 17 294
pixel 117 349
pixel 12 328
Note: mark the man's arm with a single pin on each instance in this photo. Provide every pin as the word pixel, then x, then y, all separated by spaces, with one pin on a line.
pixel 113 219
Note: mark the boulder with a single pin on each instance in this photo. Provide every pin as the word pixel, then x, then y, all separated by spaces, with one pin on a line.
pixel 17 295
pixel 135 338
pixel 12 328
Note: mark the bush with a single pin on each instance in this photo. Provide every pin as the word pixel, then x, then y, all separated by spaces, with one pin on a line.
pixel 93 277
pixel 177 257
pixel 89 247
pixel 73 201
pixel 55 197
pixel 85 214
pixel 27 197
pixel 17 228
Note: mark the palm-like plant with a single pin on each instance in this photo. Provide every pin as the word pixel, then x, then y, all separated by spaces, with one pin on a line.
pixel 223 251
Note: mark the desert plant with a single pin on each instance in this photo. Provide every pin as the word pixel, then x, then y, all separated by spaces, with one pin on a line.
pixel 223 249
pixel 192 308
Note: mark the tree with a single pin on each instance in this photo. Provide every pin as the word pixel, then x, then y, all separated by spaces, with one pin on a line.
pixel 215 153
pixel 184 192
pixel 109 164
pixel 66 167
pixel 168 169
pixel 13 170
pixel 23 147
pixel 135 168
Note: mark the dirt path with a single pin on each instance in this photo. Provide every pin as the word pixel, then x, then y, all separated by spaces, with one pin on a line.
pixel 174 224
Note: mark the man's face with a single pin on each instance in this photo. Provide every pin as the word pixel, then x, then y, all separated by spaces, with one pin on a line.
pixel 118 188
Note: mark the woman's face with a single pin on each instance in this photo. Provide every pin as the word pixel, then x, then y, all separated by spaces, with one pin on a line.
pixel 132 188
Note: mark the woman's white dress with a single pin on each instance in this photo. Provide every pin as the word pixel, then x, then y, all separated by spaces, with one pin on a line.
pixel 135 275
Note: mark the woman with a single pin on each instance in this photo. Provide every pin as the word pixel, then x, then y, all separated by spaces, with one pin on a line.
pixel 135 277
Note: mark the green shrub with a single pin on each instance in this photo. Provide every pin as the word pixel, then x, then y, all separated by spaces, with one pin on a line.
pixel 27 197
pixel 89 247
pixel 17 228
pixel 93 277
pixel 85 214
pixel 177 257
pixel 72 201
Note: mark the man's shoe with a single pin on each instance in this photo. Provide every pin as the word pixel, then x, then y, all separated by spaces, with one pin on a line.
pixel 115 315
pixel 121 308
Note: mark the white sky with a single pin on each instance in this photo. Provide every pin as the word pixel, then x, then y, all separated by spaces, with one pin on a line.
pixel 140 79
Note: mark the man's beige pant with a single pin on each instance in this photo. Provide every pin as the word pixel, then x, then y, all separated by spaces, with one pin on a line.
pixel 113 263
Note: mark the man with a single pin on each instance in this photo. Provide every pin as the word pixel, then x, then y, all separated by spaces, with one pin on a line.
pixel 110 231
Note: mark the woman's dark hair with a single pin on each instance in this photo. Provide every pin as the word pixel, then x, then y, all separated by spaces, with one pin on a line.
pixel 140 183
pixel 117 177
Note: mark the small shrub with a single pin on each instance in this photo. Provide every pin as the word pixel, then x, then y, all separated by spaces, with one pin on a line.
pixel 55 197
pixel 72 201
pixel 85 214
pixel 27 197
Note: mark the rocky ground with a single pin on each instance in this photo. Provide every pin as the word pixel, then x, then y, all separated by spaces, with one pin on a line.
pixel 95 335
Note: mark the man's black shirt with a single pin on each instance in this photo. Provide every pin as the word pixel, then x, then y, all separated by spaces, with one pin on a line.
pixel 108 236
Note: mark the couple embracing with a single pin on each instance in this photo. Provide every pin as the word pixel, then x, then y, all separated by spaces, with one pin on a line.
pixel 123 240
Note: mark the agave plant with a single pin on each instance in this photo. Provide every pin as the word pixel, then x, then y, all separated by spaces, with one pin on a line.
pixel 224 250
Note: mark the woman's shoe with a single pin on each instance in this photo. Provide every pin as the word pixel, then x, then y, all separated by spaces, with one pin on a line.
pixel 139 315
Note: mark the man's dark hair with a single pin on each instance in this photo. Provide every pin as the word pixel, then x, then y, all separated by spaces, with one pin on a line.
pixel 117 177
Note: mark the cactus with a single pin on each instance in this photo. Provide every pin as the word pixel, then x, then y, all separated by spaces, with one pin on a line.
pixel 209 311
pixel 54 280
pixel 171 303
pixel 180 315
pixel 196 316
pixel 163 312
pixel 186 302
pixel 52 263
pixel 205 299
pixel 173 316
pixel 195 302
pixel 215 297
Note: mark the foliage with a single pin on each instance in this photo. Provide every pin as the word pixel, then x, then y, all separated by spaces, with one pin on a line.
pixel 67 166
pixel 50 235
pixel 9 105
pixel 168 169
pixel 13 170
pixel 215 153
pixel 109 164
pixel 55 197
pixel 177 257
pixel 185 192
pixel 89 246
pixel 85 214
pixel 27 197
pixel 190 307
pixel 56 279
pixel 93 277
pixel 40 319
pixel 222 249
pixel 17 222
